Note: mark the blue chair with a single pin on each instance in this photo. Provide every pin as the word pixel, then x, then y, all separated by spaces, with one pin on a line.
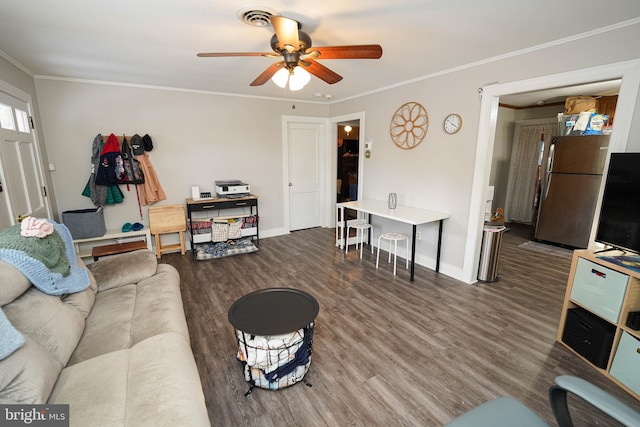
pixel 507 411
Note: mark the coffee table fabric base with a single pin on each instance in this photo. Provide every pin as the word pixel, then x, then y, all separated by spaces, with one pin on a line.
pixel 275 362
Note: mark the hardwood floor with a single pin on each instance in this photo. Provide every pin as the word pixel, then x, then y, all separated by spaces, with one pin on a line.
pixel 387 351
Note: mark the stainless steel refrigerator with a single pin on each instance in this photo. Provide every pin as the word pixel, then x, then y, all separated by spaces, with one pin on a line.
pixel 572 179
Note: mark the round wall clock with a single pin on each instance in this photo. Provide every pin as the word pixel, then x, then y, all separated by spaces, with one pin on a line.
pixel 409 125
pixel 452 123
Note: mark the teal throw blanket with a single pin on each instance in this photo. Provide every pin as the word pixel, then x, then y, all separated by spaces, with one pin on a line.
pixel 49 263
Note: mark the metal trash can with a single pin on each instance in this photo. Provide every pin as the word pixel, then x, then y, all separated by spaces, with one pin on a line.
pixel 490 252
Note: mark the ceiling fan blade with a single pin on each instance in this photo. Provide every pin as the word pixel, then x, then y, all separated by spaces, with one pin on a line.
pixel 223 54
pixel 267 74
pixel 363 51
pixel 286 31
pixel 322 72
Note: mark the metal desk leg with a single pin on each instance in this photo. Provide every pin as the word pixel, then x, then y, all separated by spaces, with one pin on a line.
pixel 345 239
pixel 370 233
pixel 439 246
pixel 413 251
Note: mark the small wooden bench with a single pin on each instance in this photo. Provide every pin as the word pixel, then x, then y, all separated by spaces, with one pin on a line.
pixel 117 248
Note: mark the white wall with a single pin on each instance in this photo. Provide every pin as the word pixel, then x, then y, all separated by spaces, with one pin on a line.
pixel 503 144
pixel 198 138
pixel 439 173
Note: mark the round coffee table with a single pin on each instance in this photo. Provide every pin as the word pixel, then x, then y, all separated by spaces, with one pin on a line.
pixel 274 328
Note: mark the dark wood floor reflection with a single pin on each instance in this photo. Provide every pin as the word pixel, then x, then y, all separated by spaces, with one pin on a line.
pixel 387 351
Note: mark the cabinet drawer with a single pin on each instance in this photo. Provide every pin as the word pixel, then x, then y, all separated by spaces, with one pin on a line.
pixel 599 289
pixel 626 362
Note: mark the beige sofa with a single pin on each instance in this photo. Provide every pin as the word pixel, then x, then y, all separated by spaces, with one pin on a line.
pixel 118 352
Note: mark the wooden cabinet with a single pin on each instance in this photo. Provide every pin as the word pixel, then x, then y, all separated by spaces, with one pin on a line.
pixel 607 105
pixel 606 293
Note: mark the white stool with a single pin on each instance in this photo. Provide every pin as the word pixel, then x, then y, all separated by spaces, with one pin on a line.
pixel 361 226
pixel 393 237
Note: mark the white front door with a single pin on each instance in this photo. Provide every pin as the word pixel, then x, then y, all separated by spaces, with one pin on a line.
pixel 23 189
pixel 304 142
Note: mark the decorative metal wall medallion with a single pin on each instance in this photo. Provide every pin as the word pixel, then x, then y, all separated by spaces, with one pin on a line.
pixel 409 125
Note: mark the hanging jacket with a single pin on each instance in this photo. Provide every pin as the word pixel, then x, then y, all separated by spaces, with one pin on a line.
pixel 98 194
pixel 152 191
pixel 106 173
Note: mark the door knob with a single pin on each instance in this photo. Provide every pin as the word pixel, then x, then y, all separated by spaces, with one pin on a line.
pixel 290 184
pixel 19 218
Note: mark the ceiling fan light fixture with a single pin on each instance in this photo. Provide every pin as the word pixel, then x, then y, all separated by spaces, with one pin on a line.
pixel 281 77
pixel 297 78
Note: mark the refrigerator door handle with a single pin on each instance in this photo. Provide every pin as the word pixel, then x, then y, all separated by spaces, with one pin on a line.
pixel 546 189
pixel 552 151
pixel 547 174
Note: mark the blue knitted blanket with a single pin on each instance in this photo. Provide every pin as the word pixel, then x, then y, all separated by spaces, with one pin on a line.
pixel 51 280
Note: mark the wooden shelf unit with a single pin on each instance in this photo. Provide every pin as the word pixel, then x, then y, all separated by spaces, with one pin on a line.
pixel 630 302
pixel 84 246
pixel 220 208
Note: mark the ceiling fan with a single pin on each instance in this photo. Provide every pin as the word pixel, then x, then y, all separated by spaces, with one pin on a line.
pixel 294 46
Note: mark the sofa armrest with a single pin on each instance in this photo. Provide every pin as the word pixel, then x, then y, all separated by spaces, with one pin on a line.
pixel 124 269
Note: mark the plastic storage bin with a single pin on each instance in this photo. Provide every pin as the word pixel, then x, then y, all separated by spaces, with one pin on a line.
pixel 589 335
pixel 85 223
pixel 599 289
pixel 626 362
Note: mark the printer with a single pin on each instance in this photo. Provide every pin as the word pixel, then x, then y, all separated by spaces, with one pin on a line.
pixel 232 188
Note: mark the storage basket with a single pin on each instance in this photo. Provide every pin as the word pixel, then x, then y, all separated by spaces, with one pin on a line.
pixel 85 223
pixel 275 362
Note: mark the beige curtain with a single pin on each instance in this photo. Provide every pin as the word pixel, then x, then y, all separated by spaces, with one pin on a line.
pixel 525 157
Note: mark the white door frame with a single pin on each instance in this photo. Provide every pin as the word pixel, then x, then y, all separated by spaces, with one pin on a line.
pixel 629 71
pixel 26 98
pixel 328 158
pixel 322 167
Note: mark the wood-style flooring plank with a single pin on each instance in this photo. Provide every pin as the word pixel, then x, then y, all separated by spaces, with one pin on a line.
pixel 387 351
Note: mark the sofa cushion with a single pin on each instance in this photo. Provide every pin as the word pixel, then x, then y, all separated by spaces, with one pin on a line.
pixel 47 320
pixel 51 329
pixel 83 301
pixel 154 383
pixel 125 315
pixel 124 269
pixel 12 283
pixel 28 375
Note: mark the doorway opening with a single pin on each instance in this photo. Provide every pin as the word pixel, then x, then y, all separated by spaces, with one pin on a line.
pixel 628 72
pixel 530 123
pixel 348 164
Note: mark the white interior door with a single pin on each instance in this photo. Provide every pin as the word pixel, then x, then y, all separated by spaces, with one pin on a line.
pixel 23 189
pixel 305 174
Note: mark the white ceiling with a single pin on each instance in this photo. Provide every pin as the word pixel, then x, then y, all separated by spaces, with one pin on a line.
pixel 154 42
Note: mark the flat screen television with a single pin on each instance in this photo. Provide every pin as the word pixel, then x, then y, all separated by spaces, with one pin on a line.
pixel 619 223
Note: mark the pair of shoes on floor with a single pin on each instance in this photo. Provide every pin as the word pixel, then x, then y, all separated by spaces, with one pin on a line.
pixel 127 226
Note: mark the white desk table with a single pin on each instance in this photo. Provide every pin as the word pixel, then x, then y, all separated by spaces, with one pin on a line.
pixel 406 214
